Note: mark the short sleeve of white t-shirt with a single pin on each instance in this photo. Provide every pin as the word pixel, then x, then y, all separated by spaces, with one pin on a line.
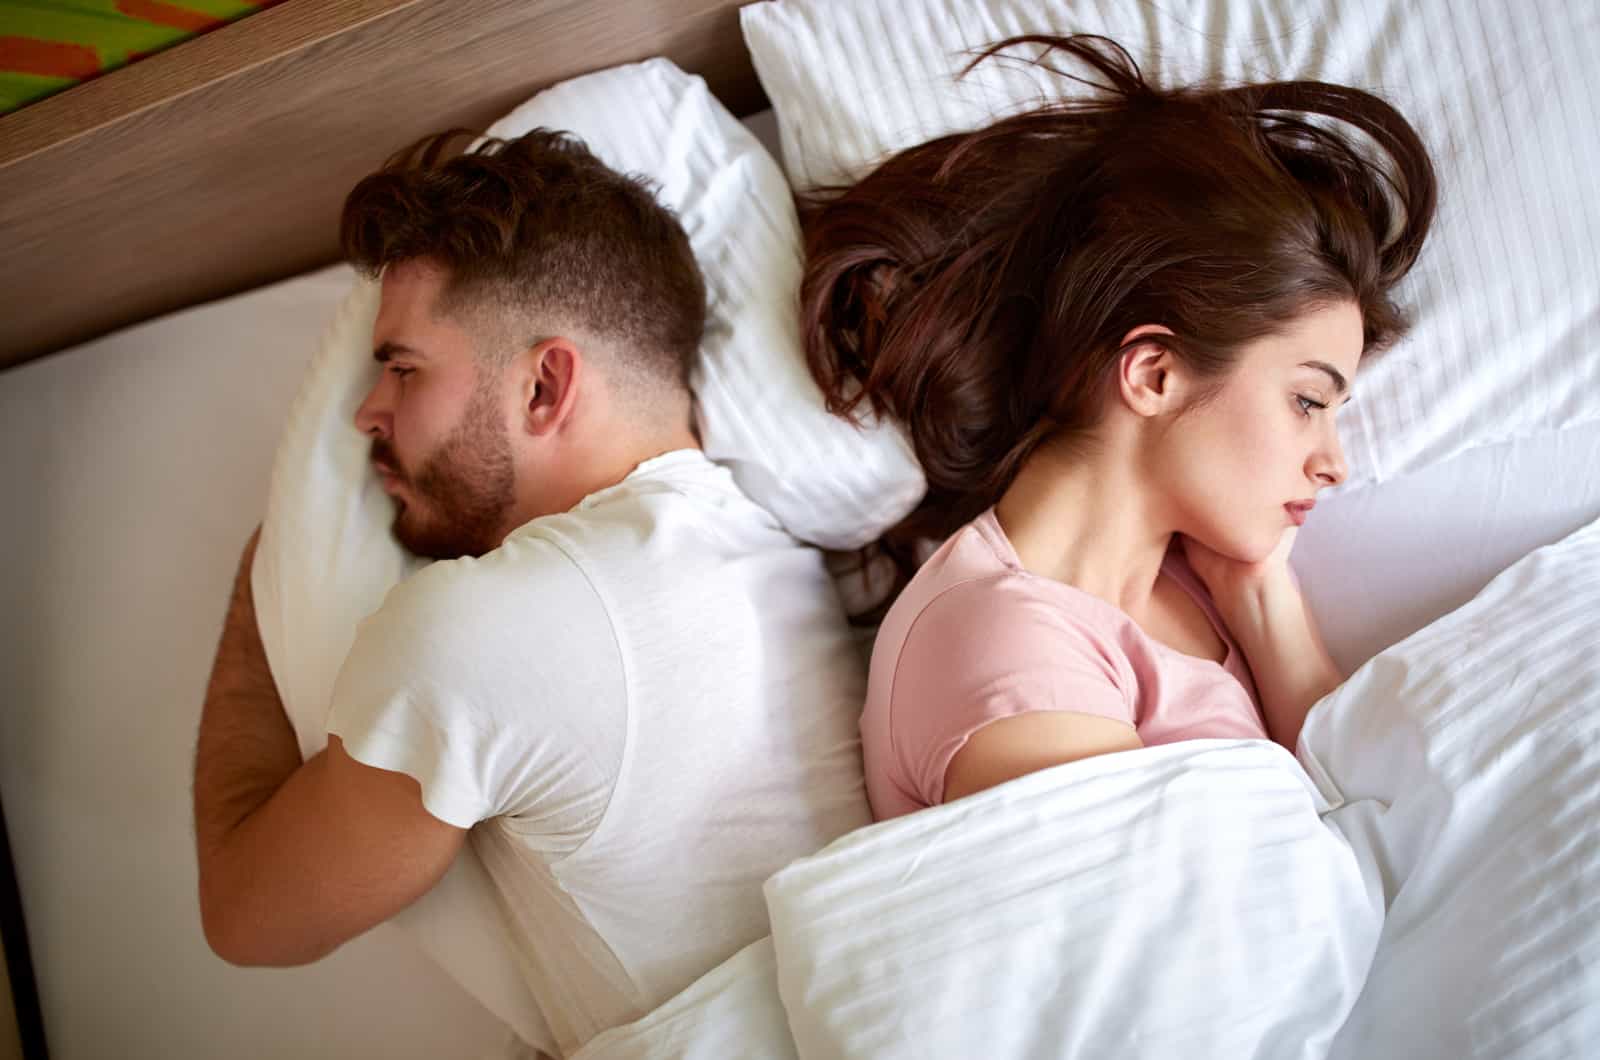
pixel 498 684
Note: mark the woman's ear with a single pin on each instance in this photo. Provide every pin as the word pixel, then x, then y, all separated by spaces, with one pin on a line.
pixel 552 374
pixel 1149 377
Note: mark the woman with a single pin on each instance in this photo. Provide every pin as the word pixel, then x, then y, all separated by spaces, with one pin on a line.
pixel 1117 331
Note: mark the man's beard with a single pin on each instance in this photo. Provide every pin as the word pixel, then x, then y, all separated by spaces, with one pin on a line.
pixel 457 503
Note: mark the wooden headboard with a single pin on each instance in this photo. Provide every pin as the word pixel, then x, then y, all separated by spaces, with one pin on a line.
pixel 221 164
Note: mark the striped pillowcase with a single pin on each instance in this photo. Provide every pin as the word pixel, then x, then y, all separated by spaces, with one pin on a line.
pixel 1507 293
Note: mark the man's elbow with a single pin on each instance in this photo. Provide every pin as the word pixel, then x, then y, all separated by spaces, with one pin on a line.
pixel 243 937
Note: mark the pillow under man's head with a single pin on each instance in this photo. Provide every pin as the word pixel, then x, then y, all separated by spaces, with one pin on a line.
pixel 539 314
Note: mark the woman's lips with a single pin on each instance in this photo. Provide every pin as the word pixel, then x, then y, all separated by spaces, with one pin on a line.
pixel 1298 510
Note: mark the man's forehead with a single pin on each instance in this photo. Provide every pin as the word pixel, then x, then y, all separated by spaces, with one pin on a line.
pixel 408 317
pixel 410 290
pixel 417 337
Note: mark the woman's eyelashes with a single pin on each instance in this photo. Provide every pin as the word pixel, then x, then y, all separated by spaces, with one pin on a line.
pixel 1307 404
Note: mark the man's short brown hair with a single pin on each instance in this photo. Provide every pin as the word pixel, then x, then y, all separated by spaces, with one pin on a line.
pixel 538 233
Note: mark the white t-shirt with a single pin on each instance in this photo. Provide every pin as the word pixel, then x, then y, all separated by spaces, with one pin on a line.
pixel 643 707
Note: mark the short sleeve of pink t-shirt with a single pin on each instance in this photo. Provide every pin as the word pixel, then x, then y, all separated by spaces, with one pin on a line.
pixel 975 637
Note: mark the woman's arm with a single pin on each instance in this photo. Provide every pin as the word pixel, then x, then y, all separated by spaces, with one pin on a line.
pixel 1264 610
pixel 1026 743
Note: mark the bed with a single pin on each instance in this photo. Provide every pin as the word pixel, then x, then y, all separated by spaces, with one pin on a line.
pixel 166 268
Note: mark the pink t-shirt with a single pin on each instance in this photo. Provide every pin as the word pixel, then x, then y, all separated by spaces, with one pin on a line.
pixel 975 637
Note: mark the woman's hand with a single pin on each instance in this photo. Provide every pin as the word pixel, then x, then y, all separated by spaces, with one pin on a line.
pixel 1262 607
pixel 1239 588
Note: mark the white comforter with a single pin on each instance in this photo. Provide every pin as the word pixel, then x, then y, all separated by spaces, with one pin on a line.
pixel 1423 882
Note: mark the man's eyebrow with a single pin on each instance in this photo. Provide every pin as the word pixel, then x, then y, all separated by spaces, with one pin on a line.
pixel 389 349
pixel 1339 382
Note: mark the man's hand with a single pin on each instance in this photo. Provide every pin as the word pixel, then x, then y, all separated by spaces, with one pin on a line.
pixel 294 858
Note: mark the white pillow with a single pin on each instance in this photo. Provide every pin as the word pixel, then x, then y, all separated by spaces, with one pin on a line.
pixel 760 413
pixel 1502 94
pixel 326 557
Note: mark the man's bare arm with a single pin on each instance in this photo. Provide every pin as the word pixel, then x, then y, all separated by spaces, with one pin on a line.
pixel 296 858
pixel 247 748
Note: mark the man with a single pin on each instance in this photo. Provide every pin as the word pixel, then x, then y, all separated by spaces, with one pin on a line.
pixel 623 680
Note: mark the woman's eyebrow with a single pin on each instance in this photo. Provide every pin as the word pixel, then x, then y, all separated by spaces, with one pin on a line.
pixel 1339 382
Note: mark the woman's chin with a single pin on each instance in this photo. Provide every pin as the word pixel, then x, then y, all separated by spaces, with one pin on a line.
pixel 1249 553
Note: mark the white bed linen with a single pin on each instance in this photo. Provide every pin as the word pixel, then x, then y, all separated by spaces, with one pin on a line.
pixel 1180 901
pixel 1213 899
pixel 732 1011
pixel 1176 901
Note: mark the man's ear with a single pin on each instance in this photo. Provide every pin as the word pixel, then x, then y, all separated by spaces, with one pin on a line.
pixel 1149 378
pixel 553 372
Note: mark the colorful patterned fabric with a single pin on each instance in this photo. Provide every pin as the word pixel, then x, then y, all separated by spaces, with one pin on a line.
pixel 48 45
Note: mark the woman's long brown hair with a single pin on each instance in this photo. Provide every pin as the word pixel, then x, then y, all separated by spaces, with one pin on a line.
pixel 977 287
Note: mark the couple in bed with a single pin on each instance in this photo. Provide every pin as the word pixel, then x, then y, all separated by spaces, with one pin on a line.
pixel 1117 331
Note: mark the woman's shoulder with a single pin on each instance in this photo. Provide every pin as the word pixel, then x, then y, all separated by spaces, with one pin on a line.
pixel 992 626
pixel 973 583
pixel 965 575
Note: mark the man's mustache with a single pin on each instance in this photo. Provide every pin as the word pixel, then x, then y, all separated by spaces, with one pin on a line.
pixel 382 456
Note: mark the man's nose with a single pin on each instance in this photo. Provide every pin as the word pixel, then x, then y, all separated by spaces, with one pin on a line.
pixel 372 415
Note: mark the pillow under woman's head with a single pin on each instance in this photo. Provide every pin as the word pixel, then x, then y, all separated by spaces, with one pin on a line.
pixel 982 287
pixel 1497 351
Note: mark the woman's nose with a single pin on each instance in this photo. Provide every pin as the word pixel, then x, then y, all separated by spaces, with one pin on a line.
pixel 1328 466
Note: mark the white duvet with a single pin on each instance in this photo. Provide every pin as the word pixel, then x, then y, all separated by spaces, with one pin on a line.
pixel 1423 882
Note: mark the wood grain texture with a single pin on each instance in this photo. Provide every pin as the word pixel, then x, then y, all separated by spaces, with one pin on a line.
pixel 222 163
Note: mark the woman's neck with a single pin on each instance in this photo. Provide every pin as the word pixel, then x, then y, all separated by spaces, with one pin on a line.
pixel 1085 521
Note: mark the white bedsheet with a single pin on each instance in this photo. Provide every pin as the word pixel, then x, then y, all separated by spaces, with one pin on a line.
pixel 1424 887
